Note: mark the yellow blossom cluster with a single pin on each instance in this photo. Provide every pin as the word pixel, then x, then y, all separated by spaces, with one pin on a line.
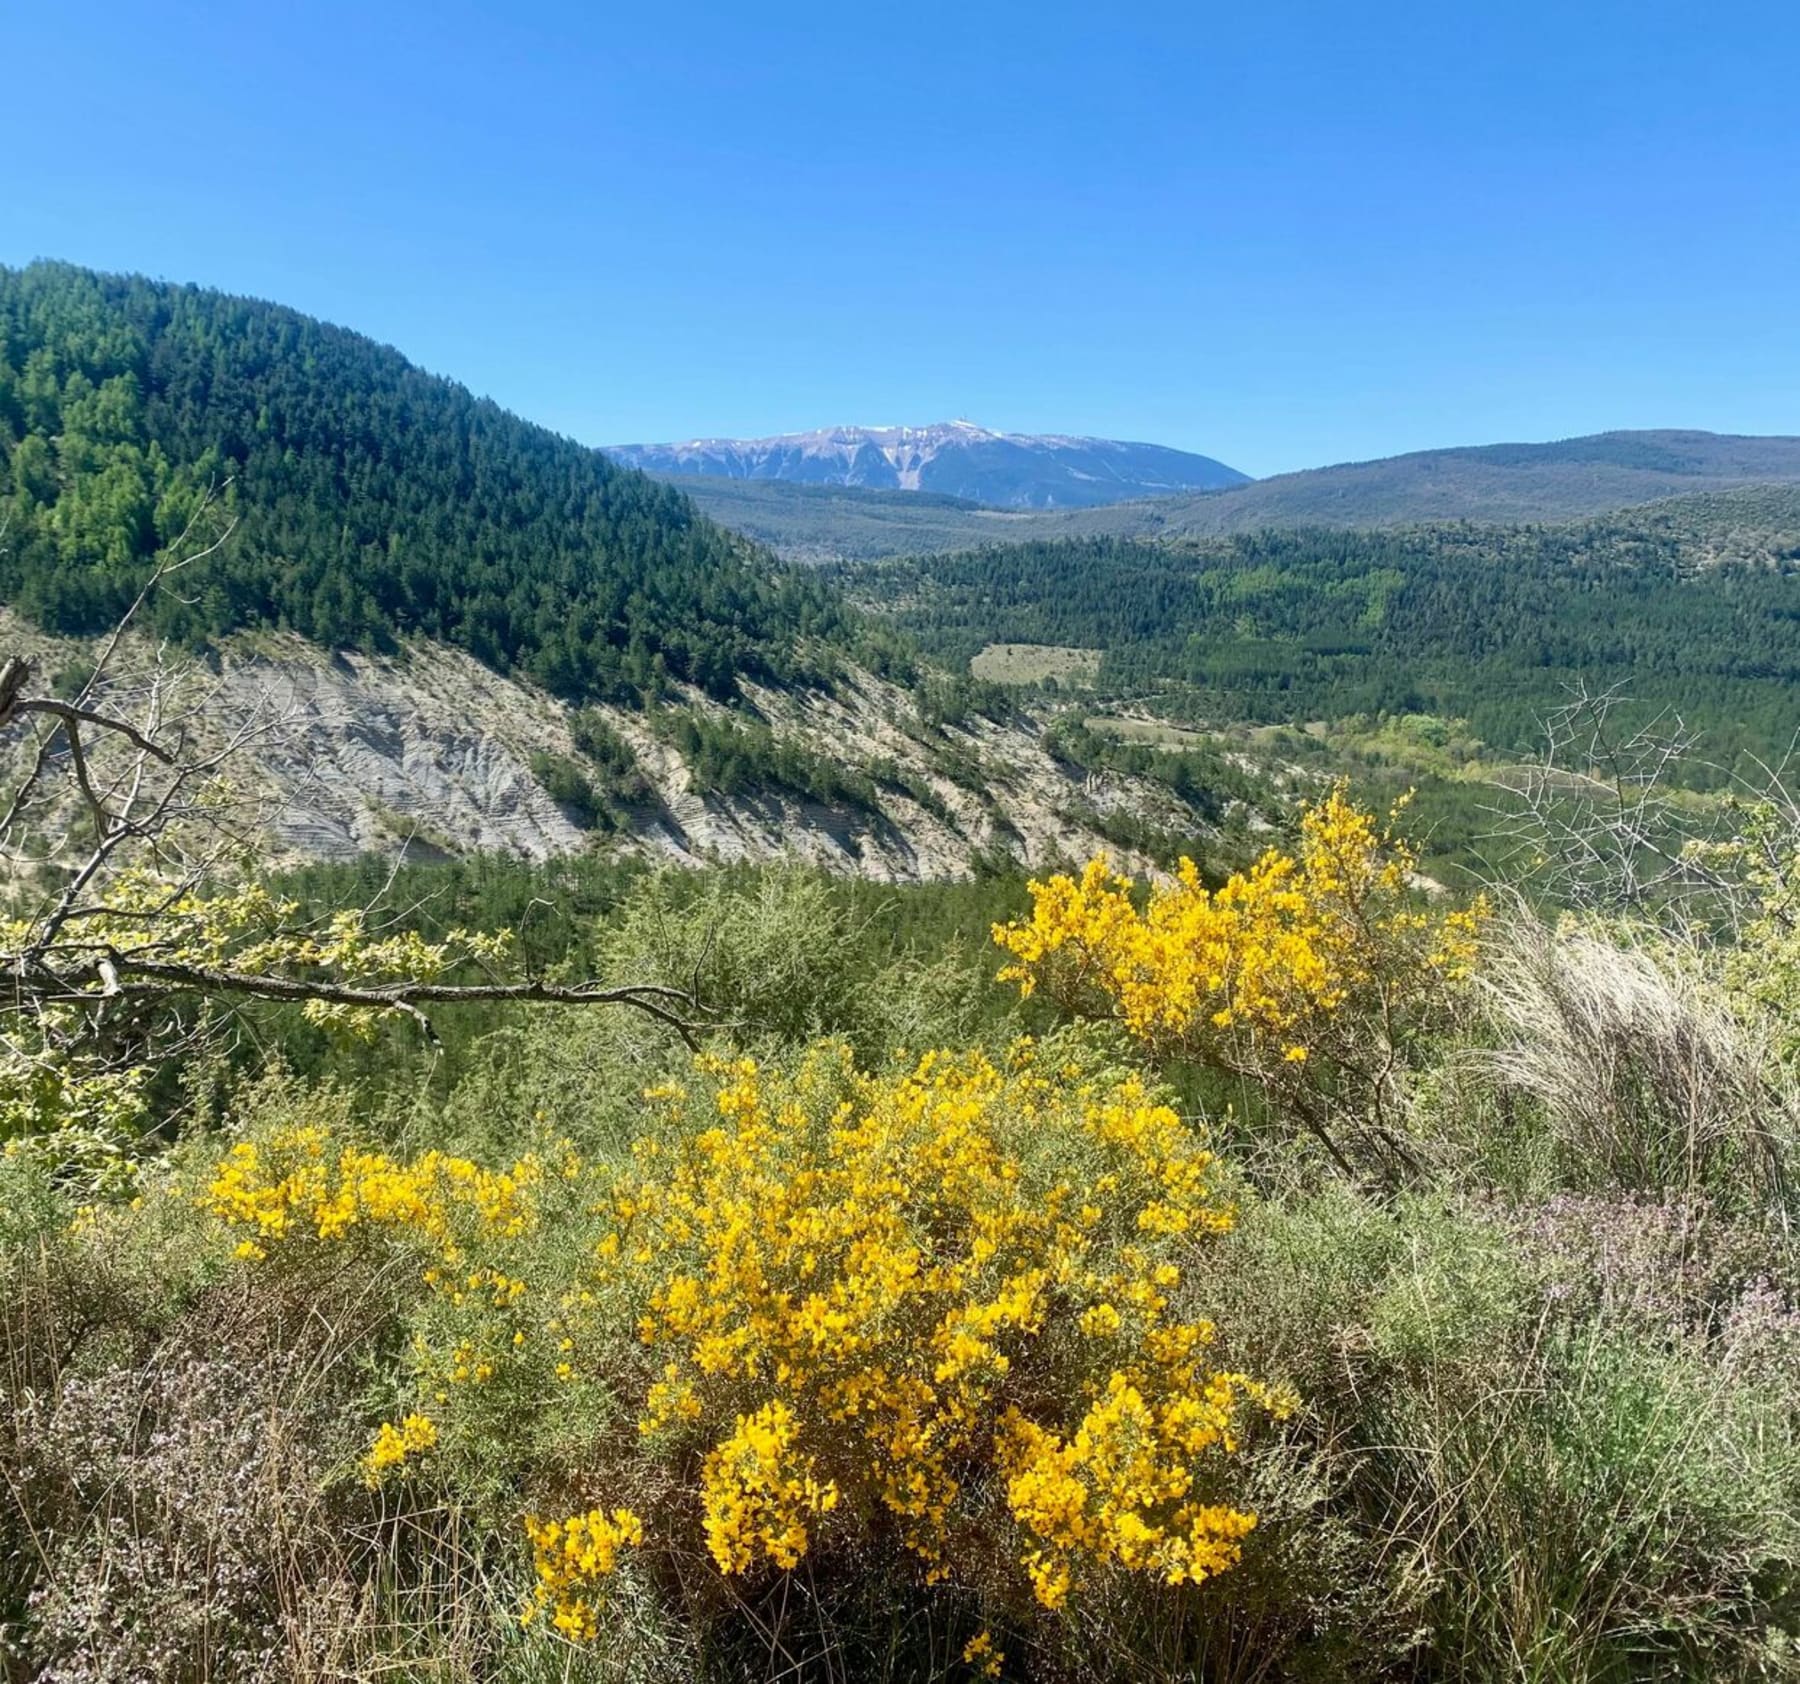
pixel 1120 1487
pixel 896 1286
pixel 572 1557
pixel 934 1309
pixel 757 1492
pixel 979 1652
pixel 1263 972
pixel 301 1184
pixel 394 1444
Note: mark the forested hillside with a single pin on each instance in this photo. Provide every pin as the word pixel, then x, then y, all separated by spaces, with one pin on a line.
pixel 1698 613
pixel 372 501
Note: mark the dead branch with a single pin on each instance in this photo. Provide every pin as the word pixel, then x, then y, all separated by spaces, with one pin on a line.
pixel 119 753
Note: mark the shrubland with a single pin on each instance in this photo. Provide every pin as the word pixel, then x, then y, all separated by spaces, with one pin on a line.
pixel 1284 1269
pixel 1281 1272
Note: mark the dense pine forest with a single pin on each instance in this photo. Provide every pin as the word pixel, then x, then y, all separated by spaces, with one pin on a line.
pixel 372 501
pixel 1493 625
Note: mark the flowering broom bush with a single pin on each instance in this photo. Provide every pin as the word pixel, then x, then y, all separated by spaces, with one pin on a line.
pixel 932 1310
pixel 1306 974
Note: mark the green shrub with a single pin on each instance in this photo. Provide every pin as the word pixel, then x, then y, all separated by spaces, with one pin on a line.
pixel 570 788
pixel 613 758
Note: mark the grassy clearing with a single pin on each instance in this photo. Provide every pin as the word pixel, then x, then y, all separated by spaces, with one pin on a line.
pixel 1153 733
pixel 1033 663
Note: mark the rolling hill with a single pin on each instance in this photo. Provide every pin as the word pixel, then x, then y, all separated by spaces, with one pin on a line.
pixel 1499 483
pixel 953 458
pixel 826 523
pixel 1495 484
pixel 481 635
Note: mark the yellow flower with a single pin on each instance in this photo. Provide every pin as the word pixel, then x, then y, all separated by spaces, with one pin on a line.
pixel 1300 958
pixel 571 1558
pixel 979 1652
pixel 850 1268
pixel 293 1187
pixel 393 1445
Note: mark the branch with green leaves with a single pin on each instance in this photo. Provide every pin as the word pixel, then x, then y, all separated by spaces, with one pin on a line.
pixel 137 924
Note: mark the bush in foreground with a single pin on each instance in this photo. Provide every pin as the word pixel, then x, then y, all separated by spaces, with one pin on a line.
pixel 820 1364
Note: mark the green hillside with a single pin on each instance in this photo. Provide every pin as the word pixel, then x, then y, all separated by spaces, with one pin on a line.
pixel 372 500
pixel 1692 607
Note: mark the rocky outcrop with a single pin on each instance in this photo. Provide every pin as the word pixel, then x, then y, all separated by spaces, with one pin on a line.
pixel 429 753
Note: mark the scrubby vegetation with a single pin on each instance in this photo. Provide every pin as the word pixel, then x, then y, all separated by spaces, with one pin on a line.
pixel 1284 1269
pixel 1296 1277
pixel 736 756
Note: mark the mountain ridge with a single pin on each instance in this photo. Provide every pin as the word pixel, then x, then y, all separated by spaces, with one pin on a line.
pixel 1493 484
pixel 957 458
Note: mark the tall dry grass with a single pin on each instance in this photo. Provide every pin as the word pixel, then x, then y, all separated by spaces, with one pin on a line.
pixel 1645 1076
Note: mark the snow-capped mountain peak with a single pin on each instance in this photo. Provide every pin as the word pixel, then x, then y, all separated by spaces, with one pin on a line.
pixel 958 457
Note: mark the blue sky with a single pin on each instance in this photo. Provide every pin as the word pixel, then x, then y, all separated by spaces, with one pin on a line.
pixel 1280 233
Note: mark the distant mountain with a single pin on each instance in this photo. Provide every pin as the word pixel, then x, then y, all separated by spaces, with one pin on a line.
pixel 953 458
pixel 1496 484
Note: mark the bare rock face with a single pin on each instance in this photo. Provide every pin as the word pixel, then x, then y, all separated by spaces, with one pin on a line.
pixel 429 754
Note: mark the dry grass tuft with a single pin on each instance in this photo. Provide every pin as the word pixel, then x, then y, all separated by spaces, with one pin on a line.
pixel 1649 1082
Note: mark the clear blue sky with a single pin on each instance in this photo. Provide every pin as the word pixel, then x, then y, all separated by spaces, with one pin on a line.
pixel 1279 233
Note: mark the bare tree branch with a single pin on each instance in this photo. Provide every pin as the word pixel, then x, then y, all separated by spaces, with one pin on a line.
pixel 120 753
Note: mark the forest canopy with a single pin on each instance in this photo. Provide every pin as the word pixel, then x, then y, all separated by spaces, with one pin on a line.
pixel 372 501
pixel 1494 625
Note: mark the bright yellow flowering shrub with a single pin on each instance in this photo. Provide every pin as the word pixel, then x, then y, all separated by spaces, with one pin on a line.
pixel 298 1185
pixel 907 1290
pixel 933 1309
pixel 574 1558
pixel 1306 971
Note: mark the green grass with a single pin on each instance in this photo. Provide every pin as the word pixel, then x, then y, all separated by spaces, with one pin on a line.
pixel 1033 663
